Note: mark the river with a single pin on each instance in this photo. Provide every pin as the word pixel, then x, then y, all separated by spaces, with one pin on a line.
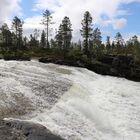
pixel 75 103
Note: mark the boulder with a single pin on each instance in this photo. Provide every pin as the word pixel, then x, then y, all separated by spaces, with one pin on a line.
pixel 24 130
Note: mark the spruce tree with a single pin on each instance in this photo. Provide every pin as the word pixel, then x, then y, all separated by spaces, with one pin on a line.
pixel 97 42
pixel 136 45
pixel 86 31
pixel 33 42
pixel 96 37
pixel 59 38
pixel 17 26
pixel 6 36
pixel 66 32
pixel 108 45
pixel 119 43
pixel 36 34
pixel 64 35
pixel 43 39
pixel 52 43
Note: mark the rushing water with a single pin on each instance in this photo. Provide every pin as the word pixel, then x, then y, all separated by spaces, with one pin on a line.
pixel 73 102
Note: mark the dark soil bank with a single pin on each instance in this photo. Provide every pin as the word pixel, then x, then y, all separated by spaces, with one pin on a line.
pixel 120 66
pixel 18 58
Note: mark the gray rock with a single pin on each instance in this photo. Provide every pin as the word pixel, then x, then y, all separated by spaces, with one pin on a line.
pixel 24 130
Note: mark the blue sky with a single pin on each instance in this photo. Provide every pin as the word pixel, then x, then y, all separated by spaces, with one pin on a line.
pixel 110 16
pixel 133 19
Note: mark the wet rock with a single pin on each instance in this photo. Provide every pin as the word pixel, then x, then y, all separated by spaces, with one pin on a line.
pixel 120 66
pixel 76 63
pixel 17 58
pixel 23 130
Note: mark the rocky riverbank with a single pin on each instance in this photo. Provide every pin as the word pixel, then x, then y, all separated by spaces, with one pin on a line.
pixel 120 66
pixel 23 130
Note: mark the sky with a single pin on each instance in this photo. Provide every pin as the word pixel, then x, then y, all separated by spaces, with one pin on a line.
pixel 110 16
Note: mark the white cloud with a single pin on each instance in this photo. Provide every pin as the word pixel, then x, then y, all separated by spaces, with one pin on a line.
pixel 116 23
pixel 75 8
pixel 41 4
pixel 35 22
pixel 32 23
pixel 104 12
pixel 130 35
pixel 139 37
pixel 119 23
pixel 8 8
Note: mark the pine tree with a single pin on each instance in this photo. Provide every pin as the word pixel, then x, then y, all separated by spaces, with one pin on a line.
pixel 6 35
pixel 36 34
pixel 33 42
pixel 17 26
pixel 119 42
pixel 108 45
pixel 113 47
pixel 52 43
pixel 64 35
pixel 79 45
pixel 97 42
pixel 43 39
pixel 130 49
pixel 136 45
pixel 47 21
pixel 25 42
pixel 97 38
pixel 59 38
pixel 86 31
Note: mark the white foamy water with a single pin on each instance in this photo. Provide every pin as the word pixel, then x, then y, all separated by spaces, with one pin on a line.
pixel 88 106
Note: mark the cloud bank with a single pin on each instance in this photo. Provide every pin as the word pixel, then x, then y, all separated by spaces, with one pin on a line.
pixel 105 13
pixel 9 8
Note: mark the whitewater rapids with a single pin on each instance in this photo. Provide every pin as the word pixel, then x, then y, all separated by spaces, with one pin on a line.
pixel 75 103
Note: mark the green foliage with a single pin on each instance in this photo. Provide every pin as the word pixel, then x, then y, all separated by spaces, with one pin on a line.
pixel 47 21
pixel 96 49
pixel 52 43
pixel 43 39
pixel 33 43
pixel 74 54
pixel 14 46
pixel 64 36
pixel 119 43
pixel 86 31
pixel 17 26
pixel 6 35
pixel 16 55
pixel 108 45
pixel 137 50
pixel 59 38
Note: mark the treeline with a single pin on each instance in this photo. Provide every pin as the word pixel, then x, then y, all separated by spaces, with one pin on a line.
pixel 14 44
